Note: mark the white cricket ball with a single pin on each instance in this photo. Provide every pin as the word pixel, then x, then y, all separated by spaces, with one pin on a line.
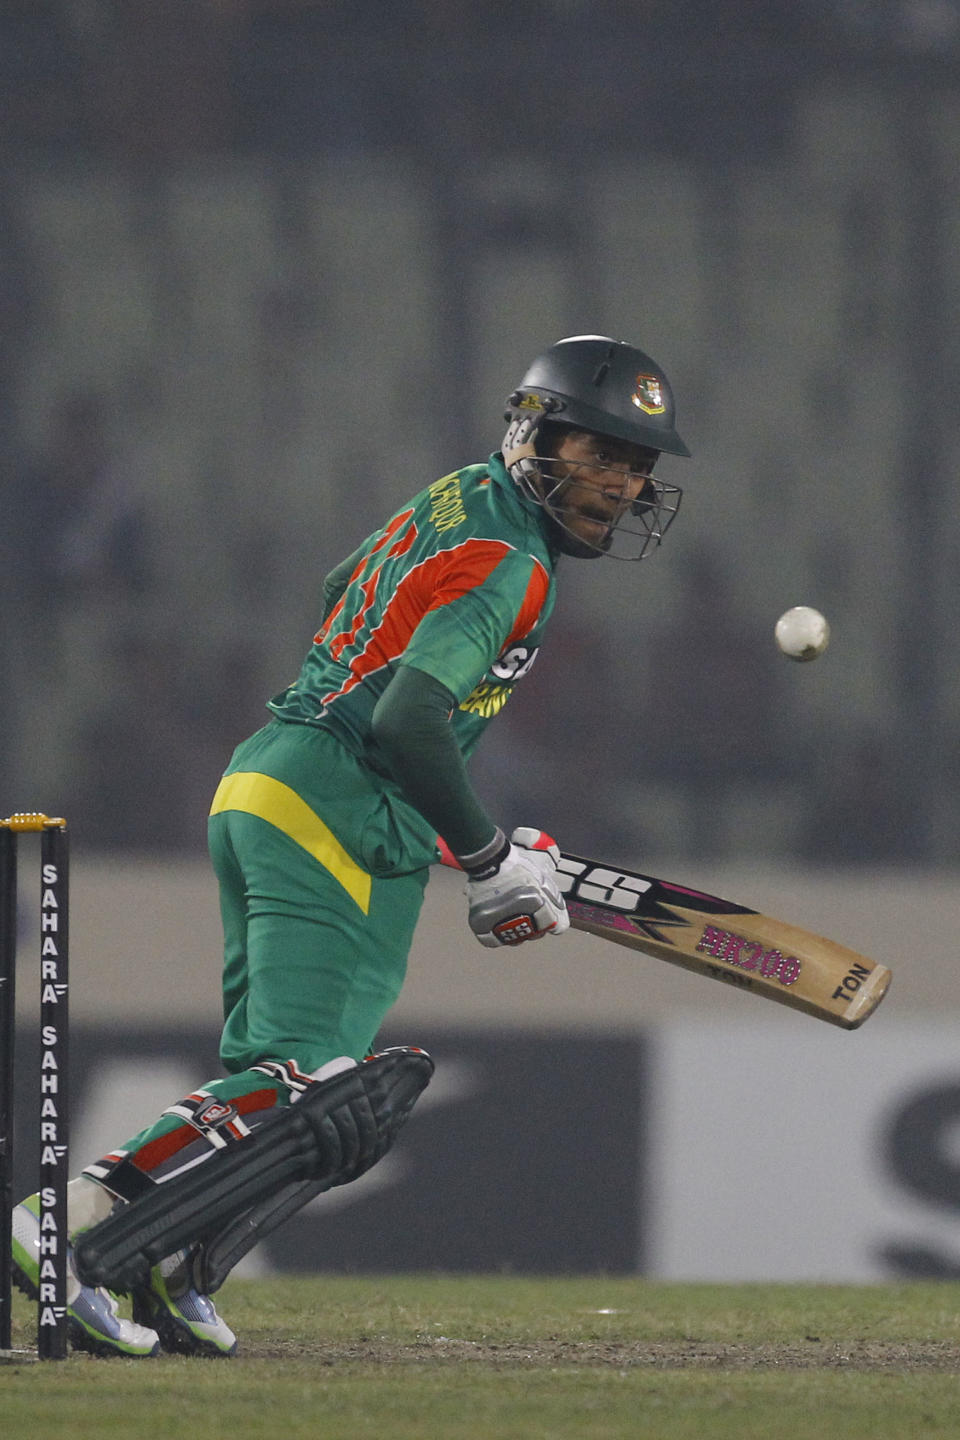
pixel 802 633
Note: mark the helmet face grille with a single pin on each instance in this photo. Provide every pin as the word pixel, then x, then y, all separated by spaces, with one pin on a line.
pixel 634 531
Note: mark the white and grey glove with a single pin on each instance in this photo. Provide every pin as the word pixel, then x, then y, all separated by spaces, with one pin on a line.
pixel 512 889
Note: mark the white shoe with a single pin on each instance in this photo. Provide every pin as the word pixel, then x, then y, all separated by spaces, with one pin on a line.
pixel 94 1324
pixel 186 1321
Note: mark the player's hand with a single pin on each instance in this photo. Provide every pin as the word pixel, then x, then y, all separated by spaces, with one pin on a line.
pixel 521 900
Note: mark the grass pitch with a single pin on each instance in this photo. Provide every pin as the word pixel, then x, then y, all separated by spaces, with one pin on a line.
pixel 493 1358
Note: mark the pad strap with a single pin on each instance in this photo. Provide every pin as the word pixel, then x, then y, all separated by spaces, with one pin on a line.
pixel 216 1121
pixel 118 1174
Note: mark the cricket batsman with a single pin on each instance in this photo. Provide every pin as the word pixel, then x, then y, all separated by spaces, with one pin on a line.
pixel 322 833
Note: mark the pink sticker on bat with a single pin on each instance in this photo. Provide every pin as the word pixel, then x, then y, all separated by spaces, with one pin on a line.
pixel 749 955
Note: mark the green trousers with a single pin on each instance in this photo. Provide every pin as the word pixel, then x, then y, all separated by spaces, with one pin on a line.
pixel 322 870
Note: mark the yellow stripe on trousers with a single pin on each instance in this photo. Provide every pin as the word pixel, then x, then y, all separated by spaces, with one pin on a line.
pixel 271 800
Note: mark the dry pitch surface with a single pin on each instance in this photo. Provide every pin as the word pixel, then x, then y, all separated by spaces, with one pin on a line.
pixel 650 1355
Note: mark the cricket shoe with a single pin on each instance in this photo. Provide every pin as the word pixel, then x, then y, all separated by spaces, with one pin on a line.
pixel 94 1324
pixel 186 1321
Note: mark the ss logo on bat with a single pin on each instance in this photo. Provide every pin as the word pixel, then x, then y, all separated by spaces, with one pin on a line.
pixel 600 886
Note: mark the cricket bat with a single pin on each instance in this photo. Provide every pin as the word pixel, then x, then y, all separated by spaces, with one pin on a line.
pixel 723 940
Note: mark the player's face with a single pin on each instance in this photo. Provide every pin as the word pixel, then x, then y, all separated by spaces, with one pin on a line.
pixel 591 483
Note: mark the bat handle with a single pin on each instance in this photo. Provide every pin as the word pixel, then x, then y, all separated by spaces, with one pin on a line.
pixel 447 856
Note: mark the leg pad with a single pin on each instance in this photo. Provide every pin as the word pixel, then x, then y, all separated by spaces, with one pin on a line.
pixel 332 1134
pixel 217 1256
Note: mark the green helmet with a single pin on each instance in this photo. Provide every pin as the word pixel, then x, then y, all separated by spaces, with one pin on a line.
pixel 593 383
pixel 598 384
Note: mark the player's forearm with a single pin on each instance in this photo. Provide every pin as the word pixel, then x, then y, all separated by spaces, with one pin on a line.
pixel 411 727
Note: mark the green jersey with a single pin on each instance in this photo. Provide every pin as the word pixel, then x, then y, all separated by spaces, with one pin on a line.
pixel 459 584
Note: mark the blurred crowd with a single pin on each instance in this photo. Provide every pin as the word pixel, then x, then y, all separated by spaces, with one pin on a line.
pixel 148 82
pixel 147 608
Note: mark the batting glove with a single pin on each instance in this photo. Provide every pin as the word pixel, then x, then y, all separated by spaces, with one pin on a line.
pixel 514 896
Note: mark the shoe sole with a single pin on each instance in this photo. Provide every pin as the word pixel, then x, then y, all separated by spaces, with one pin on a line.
pixel 82 1339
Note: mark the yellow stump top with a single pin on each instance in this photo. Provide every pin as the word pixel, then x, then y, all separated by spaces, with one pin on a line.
pixel 33 820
